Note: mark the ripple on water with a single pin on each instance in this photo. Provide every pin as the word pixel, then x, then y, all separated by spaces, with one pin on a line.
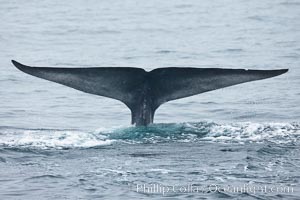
pixel 247 132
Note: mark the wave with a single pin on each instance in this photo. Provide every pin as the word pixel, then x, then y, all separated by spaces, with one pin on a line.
pixel 182 132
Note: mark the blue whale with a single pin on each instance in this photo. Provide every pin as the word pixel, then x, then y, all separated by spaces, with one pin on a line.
pixel 143 92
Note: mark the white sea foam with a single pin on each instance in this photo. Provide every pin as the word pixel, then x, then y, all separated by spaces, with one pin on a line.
pixel 185 132
pixel 254 132
pixel 52 139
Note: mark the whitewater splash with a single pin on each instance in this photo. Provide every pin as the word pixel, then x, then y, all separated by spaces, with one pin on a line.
pixel 182 132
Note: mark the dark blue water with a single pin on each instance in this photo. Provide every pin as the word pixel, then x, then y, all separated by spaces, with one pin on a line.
pixel 240 142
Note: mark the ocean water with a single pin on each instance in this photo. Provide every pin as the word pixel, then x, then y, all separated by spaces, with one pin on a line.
pixel 241 142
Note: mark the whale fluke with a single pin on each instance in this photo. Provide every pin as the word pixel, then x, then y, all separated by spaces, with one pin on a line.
pixel 143 92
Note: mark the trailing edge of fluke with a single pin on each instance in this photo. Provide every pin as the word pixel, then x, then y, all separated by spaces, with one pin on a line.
pixel 143 92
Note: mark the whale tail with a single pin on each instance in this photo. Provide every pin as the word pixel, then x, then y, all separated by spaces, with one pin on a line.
pixel 143 92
